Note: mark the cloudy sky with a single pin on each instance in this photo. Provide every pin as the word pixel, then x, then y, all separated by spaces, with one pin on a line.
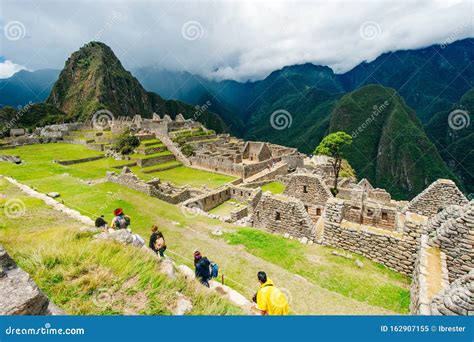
pixel 225 40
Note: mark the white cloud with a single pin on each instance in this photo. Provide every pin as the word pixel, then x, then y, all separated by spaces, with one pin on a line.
pixel 240 40
pixel 8 68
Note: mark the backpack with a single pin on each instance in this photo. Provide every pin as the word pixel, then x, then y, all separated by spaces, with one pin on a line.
pixel 214 270
pixel 121 222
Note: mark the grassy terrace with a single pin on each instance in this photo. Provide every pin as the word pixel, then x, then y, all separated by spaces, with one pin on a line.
pixel 142 156
pixel 331 284
pixel 196 178
pixel 225 208
pixel 86 277
pixel 274 187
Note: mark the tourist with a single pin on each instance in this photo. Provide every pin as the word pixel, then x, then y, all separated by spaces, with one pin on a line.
pixel 100 222
pixel 120 220
pixel 269 299
pixel 157 241
pixel 202 270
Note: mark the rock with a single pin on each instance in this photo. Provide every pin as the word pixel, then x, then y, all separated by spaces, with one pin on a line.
pixel 304 240
pixel 186 272
pixel 66 174
pixel 183 306
pixel 10 159
pixel 359 263
pixel 286 235
pixel 122 235
pixel 167 267
pixel 126 169
pixel 19 293
pixel 53 194
pixel 217 232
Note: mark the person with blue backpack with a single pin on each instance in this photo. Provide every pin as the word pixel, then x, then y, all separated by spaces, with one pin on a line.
pixel 204 269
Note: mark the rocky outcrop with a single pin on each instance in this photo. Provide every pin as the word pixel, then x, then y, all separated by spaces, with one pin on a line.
pixel 19 295
pixel 10 159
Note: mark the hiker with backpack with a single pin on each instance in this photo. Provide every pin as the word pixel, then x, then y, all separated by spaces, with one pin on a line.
pixel 157 241
pixel 269 299
pixel 120 220
pixel 204 269
pixel 101 223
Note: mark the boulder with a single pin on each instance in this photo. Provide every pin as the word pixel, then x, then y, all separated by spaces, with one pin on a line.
pixel 183 305
pixel 186 272
pixel 10 159
pixel 53 194
pixel 217 232
pixel 167 267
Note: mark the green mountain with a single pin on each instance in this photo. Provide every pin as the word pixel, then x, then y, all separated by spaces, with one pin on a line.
pixel 452 131
pixel 390 147
pixel 93 78
pixel 30 116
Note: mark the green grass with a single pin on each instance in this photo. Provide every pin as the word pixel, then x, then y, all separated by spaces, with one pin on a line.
pixel 225 208
pixel 274 187
pixel 196 178
pixel 337 274
pixel 142 156
pixel 88 277
pixel 240 259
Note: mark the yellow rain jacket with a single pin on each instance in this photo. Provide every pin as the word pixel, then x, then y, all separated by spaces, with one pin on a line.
pixel 271 300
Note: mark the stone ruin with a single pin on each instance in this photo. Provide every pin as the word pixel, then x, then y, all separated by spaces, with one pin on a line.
pixel 19 293
pixel 154 188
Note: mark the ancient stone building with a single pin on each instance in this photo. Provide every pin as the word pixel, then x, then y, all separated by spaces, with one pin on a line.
pixel 311 190
pixel 283 215
pixel 436 197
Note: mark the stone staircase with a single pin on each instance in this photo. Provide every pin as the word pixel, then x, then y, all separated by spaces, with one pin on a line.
pixel 172 148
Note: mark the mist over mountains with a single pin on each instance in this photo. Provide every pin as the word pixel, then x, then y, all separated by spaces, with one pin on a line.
pixel 421 86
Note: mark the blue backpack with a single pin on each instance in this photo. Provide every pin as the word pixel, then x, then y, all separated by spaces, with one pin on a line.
pixel 214 270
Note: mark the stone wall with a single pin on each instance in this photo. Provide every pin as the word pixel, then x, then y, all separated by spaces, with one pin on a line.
pixel 77 161
pixel 457 298
pixel 311 190
pixel 436 197
pixel 212 199
pixel 144 162
pixel 164 192
pixel 19 295
pixel 455 236
pixel 426 285
pixel 396 250
pixel 283 215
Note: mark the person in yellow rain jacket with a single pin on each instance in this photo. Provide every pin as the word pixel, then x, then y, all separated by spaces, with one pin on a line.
pixel 270 300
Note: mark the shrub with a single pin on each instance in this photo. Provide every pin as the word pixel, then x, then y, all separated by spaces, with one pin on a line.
pixel 126 143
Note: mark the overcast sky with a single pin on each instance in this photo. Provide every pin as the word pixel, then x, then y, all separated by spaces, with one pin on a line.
pixel 232 40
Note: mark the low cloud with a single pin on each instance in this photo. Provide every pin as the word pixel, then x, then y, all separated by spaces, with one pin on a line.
pixel 8 68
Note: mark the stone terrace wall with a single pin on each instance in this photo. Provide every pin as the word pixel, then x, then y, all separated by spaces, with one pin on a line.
pixel 457 299
pixel 437 196
pixel 19 295
pixel 455 236
pixel 395 250
pixel 212 199
pixel 281 214
pixel 130 180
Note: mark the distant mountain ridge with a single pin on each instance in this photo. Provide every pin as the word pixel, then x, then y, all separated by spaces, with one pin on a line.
pixel 432 81
pixel 93 79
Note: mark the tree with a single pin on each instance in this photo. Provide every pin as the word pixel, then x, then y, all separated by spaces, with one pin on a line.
pixel 334 145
